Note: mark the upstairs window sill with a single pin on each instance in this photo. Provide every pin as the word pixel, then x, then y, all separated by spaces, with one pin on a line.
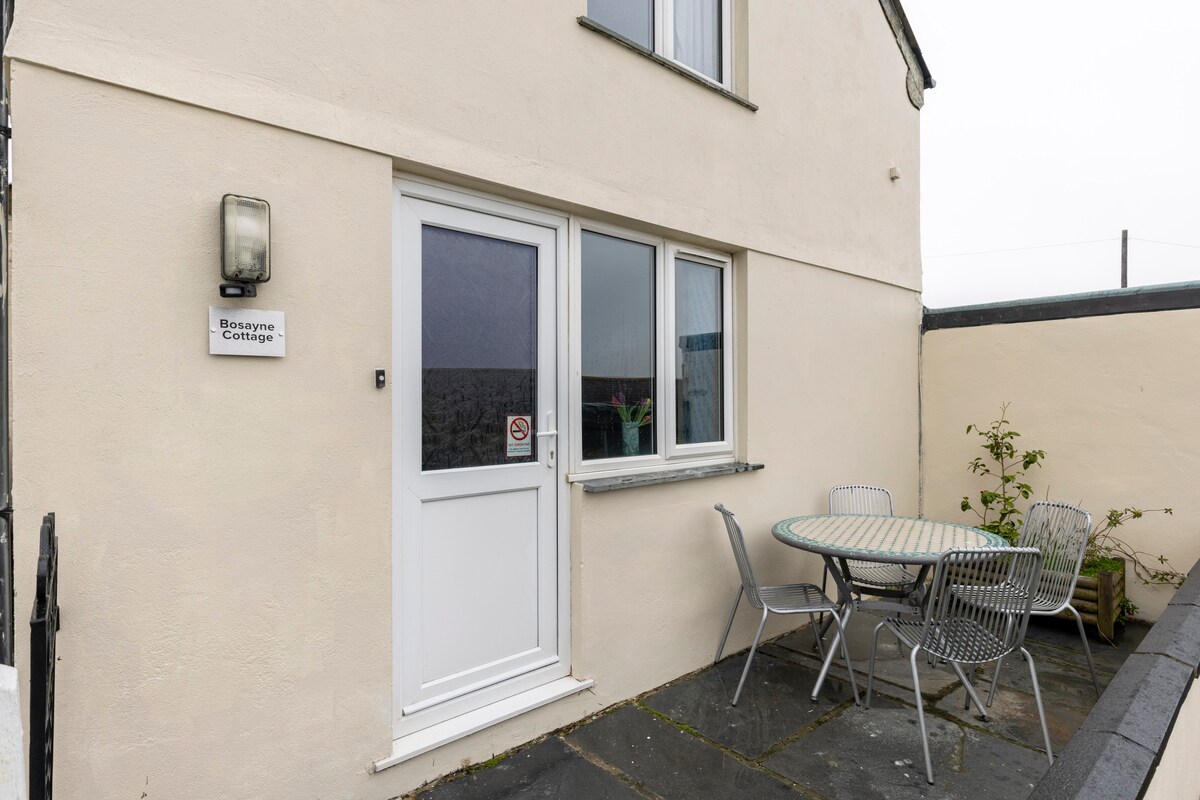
pixel 592 485
pixel 678 69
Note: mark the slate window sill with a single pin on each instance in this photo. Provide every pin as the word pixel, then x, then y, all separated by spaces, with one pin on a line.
pixel 608 33
pixel 665 476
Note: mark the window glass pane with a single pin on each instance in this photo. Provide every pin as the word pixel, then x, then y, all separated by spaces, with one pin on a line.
pixel 478 347
pixel 633 19
pixel 698 35
pixel 699 353
pixel 617 298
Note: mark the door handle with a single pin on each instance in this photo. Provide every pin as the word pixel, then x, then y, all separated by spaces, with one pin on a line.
pixel 550 431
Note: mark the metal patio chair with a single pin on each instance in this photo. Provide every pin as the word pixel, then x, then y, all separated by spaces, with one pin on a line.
pixel 794 598
pixel 979 606
pixel 855 498
pixel 1060 532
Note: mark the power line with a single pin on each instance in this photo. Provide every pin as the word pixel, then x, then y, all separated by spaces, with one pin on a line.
pixel 1173 244
pixel 1035 247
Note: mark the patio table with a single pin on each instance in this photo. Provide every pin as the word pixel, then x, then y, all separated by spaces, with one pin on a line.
pixel 892 540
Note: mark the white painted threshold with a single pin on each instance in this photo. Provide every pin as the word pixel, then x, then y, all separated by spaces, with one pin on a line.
pixel 433 737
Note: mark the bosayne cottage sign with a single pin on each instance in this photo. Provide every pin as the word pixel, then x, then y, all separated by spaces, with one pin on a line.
pixel 245 332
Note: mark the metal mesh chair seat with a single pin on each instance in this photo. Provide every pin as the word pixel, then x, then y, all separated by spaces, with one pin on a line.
pixel 978 609
pixel 963 641
pixel 795 598
pixel 881 576
pixel 792 598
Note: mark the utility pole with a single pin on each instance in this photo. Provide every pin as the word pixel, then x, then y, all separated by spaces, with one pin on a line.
pixel 1125 259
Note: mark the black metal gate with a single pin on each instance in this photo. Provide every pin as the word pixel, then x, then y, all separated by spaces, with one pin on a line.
pixel 43 626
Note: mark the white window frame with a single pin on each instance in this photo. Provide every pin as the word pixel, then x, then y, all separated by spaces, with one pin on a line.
pixel 674 450
pixel 668 454
pixel 664 44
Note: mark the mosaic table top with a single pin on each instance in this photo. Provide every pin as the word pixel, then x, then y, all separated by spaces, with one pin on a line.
pixel 902 540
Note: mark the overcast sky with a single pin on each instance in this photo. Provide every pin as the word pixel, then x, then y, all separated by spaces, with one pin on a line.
pixel 1058 122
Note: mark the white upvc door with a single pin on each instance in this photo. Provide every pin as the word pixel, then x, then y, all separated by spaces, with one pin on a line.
pixel 479 565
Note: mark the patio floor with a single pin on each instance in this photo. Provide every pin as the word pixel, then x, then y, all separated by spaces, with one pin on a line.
pixel 684 740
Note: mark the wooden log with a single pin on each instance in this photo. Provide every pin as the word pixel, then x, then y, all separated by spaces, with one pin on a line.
pixel 1084 605
pixel 1089 617
pixel 1098 600
pixel 1108 603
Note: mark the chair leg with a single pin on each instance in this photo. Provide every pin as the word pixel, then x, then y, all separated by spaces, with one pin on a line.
pixel 921 715
pixel 812 623
pixel 750 658
pixel 871 663
pixel 995 682
pixel 1087 651
pixel 729 625
pixel 996 675
pixel 1037 696
pixel 846 656
pixel 817 635
pixel 971 695
pixel 826 624
pixel 843 622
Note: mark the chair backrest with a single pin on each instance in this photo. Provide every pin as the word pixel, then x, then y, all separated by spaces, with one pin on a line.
pixel 738 543
pixel 855 498
pixel 1060 531
pixel 980 601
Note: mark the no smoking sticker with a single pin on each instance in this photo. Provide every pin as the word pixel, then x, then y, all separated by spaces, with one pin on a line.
pixel 520 440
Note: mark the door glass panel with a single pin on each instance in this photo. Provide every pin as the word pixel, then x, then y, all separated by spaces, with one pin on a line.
pixel 617 385
pixel 633 19
pixel 699 354
pixel 478 349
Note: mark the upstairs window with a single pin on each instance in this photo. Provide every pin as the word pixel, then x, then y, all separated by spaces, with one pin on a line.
pixel 693 33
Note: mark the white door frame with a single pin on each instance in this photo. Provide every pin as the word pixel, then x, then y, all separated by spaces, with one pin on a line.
pixel 420 720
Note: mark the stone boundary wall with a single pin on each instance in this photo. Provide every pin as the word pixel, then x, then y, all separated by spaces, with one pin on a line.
pixel 1140 739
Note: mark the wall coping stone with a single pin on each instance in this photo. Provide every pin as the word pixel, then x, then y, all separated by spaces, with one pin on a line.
pixel 1118 747
pixel 1139 299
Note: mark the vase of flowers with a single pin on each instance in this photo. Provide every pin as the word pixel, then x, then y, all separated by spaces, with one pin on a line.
pixel 633 417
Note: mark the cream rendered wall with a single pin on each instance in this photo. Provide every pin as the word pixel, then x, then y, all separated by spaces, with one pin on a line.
pixel 533 101
pixel 1175 775
pixel 1110 399
pixel 226 584
pixel 224 522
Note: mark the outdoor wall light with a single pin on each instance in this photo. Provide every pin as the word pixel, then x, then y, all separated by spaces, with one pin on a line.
pixel 245 245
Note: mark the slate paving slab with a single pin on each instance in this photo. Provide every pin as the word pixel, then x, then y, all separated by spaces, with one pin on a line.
pixel 549 769
pixel 774 705
pixel 1059 639
pixel 876 754
pixel 891 661
pixel 1066 682
pixel 778 744
pixel 671 762
pixel 1014 716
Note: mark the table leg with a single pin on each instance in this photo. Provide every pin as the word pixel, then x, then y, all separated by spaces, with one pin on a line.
pixel 845 608
pixel 841 577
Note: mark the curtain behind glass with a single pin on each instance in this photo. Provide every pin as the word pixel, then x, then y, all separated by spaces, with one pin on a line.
pixel 698 35
pixel 699 354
